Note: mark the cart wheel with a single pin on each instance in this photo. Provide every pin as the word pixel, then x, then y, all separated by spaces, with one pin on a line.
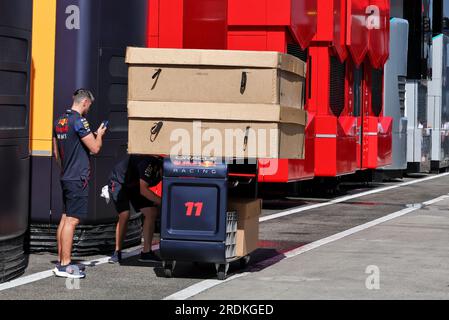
pixel 245 261
pixel 221 272
pixel 168 269
pixel 168 272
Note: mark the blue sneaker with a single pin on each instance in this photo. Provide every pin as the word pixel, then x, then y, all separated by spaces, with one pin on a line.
pixel 116 257
pixel 81 267
pixel 69 271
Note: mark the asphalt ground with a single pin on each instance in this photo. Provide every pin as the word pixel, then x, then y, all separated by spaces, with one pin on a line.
pixel 405 258
pixel 135 280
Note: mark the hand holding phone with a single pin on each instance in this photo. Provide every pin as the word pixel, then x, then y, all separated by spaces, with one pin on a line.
pixel 102 129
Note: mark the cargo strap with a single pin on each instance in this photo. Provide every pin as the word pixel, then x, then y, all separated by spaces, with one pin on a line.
pixel 155 130
pixel 156 74
pixel 155 77
pixel 243 82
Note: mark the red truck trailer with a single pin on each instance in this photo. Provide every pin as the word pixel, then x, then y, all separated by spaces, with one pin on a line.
pixel 345 43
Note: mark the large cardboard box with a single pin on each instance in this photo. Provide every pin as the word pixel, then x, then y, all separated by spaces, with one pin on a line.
pixel 189 102
pixel 218 76
pixel 215 138
pixel 248 211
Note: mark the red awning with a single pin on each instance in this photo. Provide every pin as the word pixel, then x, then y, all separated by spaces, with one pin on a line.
pixel 304 20
pixel 357 39
pixel 379 31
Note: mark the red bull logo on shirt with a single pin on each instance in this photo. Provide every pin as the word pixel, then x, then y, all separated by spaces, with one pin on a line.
pixel 63 122
pixel 62 128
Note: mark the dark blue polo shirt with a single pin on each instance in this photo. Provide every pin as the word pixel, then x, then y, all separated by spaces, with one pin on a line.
pixel 130 169
pixel 70 128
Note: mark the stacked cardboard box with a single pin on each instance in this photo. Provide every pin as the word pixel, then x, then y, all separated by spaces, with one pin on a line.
pixel 237 104
pixel 248 211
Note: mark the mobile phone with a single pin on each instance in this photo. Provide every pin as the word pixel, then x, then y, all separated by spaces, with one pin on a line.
pixel 106 123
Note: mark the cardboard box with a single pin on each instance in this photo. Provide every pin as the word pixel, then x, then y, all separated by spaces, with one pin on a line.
pixel 248 211
pixel 229 139
pixel 218 76
pixel 216 111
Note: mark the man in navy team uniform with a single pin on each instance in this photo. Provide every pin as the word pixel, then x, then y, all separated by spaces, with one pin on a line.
pixel 73 142
pixel 130 182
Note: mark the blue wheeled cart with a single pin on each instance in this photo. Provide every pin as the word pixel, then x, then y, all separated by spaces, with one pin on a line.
pixel 195 224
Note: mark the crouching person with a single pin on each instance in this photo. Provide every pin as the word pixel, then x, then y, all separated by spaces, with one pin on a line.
pixel 129 183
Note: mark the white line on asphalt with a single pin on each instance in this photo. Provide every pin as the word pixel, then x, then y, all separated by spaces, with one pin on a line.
pixel 208 284
pixel 346 198
pixel 25 280
pixel 348 232
pixel 49 273
pixel 200 287
pixel 428 203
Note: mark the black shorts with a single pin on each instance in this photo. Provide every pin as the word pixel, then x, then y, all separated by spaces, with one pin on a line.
pixel 133 196
pixel 75 195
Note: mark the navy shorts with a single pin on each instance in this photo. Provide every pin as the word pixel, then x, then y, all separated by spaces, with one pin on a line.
pixel 75 196
pixel 133 196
